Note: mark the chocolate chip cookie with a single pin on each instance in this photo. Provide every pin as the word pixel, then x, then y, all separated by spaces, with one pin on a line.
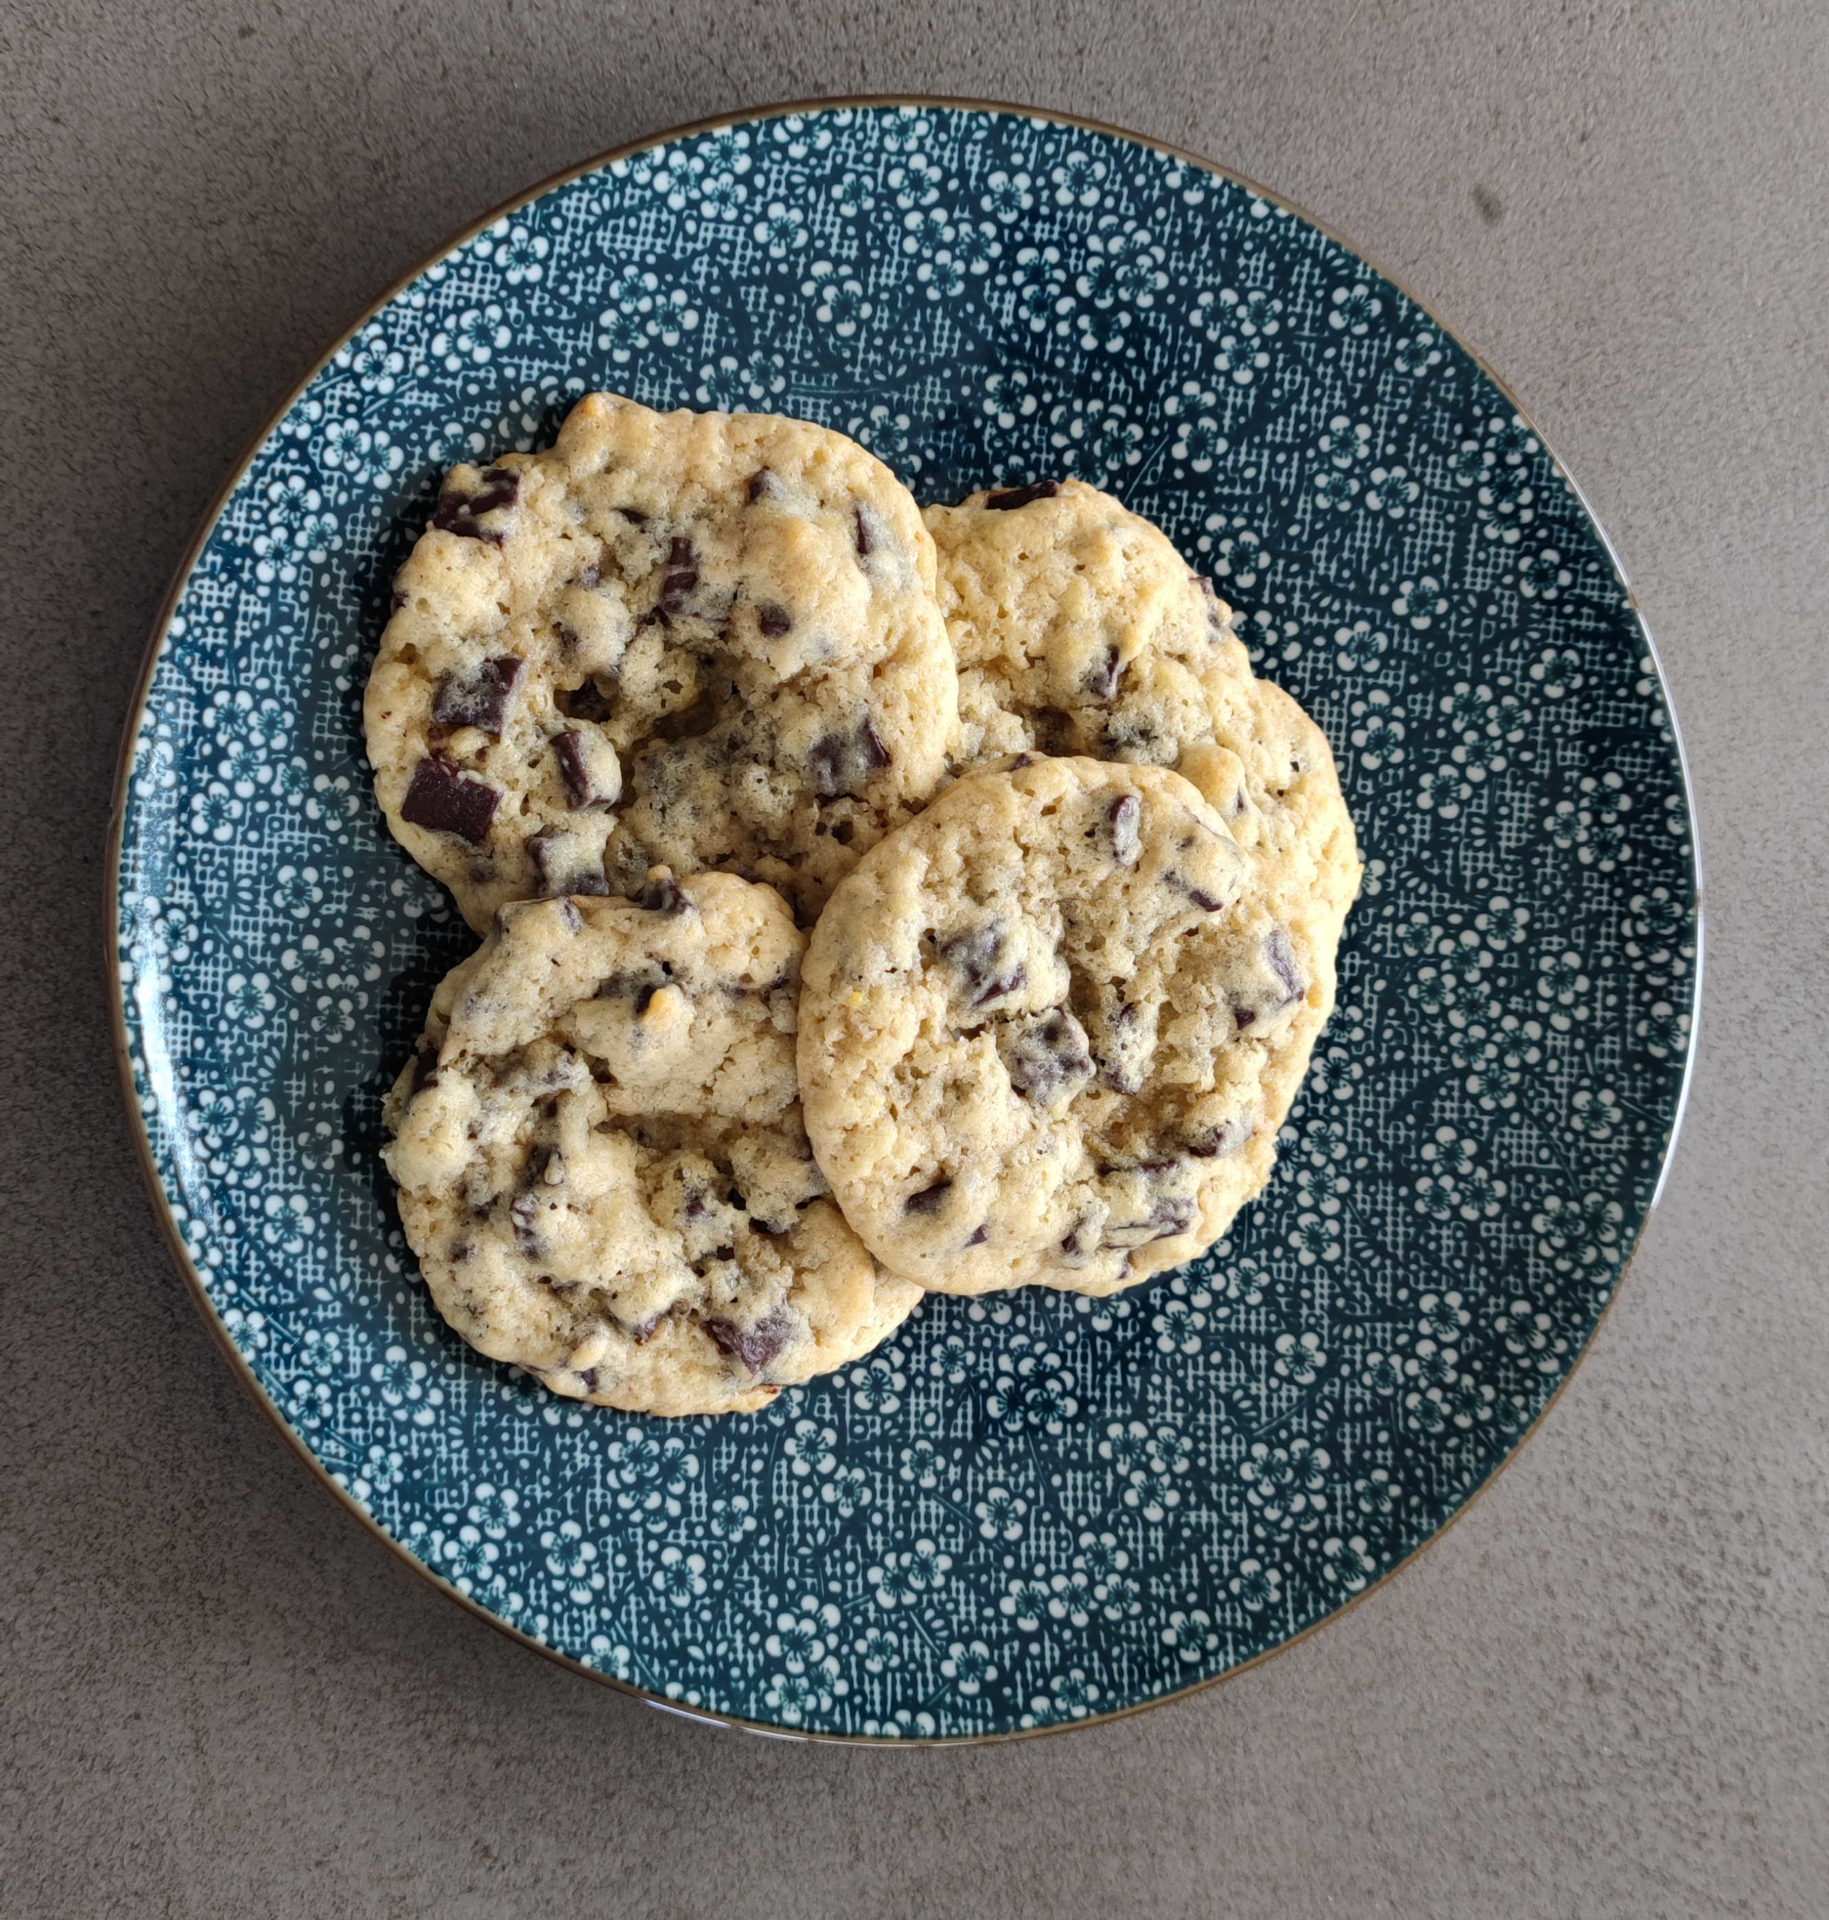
pixel 701 640
pixel 601 1160
pixel 1081 630
pixel 1050 1028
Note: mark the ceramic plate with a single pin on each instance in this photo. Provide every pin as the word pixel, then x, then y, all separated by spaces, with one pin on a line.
pixel 1032 1510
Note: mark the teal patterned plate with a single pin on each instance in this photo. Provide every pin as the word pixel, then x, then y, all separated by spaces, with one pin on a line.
pixel 1031 1510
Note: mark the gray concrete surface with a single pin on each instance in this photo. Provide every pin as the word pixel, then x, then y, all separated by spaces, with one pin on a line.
pixel 1607 1692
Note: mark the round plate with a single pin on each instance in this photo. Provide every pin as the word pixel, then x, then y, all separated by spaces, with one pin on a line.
pixel 1036 1509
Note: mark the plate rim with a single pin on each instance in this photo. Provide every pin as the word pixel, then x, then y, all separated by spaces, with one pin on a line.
pixel 159 637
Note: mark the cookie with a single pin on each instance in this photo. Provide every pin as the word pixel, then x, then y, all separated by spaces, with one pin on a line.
pixel 601 1160
pixel 1080 629
pixel 1050 1028
pixel 707 641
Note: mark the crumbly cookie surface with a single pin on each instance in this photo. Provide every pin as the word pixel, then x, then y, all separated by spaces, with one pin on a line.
pixel 702 640
pixel 601 1160
pixel 1080 629
pixel 1049 1029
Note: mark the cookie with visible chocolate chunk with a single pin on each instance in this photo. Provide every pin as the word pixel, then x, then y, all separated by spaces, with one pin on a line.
pixel 1080 629
pixel 1050 1028
pixel 601 1160
pixel 701 640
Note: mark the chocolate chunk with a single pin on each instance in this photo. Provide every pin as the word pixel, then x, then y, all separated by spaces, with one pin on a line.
pixel 1282 958
pixel 1047 1058
pixel 773 620
pixel 662 894
pixel 442 799
pixel 980 1235
pixel 556 867
pixel 763 485
pixel 1242 1017
pixel 569 750
pixel 397 599
pixel 523 1212
pixel 842 763
pixel 479 699
pixel 586 702
pixel 862 519
pixel 753 1347
pixel 1123 1050
pixel 1101 681
pixel 1170 1215
pixel 985 962
pixel 1205 901
pixel 587 766
pixel 681 577
pixel 462 513
pixel 1013 497
pixel 634 516
pixel 425 1069
pixel 643 1331
pixel 1126 841
pixel 929 1199
pixel 1076 1245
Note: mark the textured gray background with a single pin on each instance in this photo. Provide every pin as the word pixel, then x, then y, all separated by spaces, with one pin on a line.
pixel 1607 1692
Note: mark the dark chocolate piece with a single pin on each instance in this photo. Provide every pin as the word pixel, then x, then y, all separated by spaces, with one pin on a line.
pixel 1282 958
pixel 984 961
pixel 1170 1215
pixel 842 763
pixel 581 787
pixel 929 1199
pixel 462 513
pixel 479 699
pixel 444 800
pixel 1126 840
pixel 1102 681
pixel 662 895
pixel 555 874
pixel 681 577
pixel 1013 497
pixel 753 1347
pixel 1047 1058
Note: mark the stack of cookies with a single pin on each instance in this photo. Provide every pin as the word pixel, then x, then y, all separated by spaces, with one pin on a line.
pixel 873 903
